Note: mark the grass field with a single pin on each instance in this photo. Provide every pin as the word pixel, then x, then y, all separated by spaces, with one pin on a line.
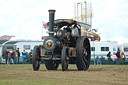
pixel 96 75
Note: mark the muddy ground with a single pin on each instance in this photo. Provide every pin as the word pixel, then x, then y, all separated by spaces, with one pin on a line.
pixel 96 75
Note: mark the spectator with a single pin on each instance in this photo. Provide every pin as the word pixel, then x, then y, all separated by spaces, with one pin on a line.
pixel 114 57
pixel 9 56
pixel 102 60
pixel 122 56
pixel 109 57
pixel 97 60
pixel 118 54
pixel 5 55
pixel 13 56
pixel 27 58
pixel 17 55
pixel 24 55
pixel 30 55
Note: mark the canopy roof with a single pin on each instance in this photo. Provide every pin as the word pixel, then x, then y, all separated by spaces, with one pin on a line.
pixel 69 22
pixel 63 22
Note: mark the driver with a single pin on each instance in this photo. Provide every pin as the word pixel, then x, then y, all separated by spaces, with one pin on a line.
pixel 68 33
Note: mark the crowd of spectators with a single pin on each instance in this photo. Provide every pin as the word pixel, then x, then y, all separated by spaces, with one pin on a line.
pixel 116 57
pixel 13 57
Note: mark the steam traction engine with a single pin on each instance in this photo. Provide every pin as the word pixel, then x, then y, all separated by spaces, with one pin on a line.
pixel 63 43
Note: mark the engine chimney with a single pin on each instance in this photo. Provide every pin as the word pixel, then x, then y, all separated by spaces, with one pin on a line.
pixel 51 22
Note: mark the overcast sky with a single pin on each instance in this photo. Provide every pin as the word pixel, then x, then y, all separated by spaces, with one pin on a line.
pixel 23 18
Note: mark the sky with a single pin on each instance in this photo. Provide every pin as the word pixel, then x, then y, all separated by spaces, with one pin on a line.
pixel 23 18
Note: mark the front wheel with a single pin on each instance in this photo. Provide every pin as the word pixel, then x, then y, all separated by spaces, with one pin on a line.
pixel 64 59
pixel 36 58
pixel 51 65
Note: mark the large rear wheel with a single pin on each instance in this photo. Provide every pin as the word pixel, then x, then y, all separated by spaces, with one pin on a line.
pixel 83 53
pixel 36 58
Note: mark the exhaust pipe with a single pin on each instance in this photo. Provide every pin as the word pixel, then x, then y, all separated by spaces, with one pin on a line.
pixel 51 22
